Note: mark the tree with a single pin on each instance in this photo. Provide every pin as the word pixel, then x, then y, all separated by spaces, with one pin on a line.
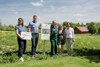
pixel 74 25
pixel 82 24
pixel 99 30
pixel 0 25
pixel 64 25
pixel 92 28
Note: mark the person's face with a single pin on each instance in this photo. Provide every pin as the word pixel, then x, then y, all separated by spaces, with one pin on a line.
pixel 35 18
pixel 68 25
pixel 20 21
pixel 60 27
pixel 54 23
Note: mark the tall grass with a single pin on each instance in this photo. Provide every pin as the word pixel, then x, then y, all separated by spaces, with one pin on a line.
pixel 86 52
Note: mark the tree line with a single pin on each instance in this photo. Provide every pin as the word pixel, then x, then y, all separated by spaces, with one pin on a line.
pixel 4 27
pixel 94 28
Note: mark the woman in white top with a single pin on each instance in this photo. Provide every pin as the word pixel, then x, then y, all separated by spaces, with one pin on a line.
pixel 69 34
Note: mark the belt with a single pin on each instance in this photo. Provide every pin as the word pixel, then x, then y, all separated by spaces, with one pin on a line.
pixel 34 33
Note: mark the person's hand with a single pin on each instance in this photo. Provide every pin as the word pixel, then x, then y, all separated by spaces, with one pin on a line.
pixel 31 37
pixel 22 38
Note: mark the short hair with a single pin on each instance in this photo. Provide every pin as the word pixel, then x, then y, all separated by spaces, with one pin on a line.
pixel 34 16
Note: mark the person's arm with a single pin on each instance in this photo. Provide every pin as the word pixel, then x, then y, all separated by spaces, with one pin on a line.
pixel 73 36
pixel 64 34
pixel 17 33
pixel 50 30
pixel 29 28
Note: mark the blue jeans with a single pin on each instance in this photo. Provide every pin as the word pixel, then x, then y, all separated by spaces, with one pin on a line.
pixel 21 47
pixel 34 42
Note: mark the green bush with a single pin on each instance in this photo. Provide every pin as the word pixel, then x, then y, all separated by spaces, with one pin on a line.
pixel 8 59
pixel 93 29
pixel 99 30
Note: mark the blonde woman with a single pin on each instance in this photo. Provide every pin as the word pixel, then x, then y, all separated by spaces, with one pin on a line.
pixel 60 39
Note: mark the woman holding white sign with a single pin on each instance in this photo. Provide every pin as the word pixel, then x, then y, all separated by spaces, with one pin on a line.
pixel 21 42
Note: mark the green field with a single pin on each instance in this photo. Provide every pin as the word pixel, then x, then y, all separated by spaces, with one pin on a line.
pixel 86 53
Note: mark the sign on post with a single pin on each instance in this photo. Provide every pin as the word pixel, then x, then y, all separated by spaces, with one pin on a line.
pixel 45 31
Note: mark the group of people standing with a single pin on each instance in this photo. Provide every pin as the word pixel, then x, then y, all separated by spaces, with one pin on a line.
pixel 58 37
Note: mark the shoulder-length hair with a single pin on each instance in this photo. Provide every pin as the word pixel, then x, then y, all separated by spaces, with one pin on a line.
pixel 19 21
pixel 60 27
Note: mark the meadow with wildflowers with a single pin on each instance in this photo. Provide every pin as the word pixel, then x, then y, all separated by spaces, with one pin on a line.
pixel 86 52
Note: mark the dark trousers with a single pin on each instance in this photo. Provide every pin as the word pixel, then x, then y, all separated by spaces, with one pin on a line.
pixel 21 47
pixel 34 42
pixel 53 46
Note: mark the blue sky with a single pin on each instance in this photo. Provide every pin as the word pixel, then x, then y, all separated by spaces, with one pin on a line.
pixel 48 10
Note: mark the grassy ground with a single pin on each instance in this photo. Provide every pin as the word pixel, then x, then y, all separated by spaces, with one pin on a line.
pixel 86 53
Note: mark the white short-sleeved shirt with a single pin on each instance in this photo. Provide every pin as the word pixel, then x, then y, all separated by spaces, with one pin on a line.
pixel 69 33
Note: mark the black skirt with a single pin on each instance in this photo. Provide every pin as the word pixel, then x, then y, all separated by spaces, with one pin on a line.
pixel 61 40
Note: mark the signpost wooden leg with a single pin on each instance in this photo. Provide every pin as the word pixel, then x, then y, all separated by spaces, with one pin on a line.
pixel 44 50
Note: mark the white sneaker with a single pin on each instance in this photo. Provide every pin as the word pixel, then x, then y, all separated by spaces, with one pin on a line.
pixel 33 57
pixel 21 59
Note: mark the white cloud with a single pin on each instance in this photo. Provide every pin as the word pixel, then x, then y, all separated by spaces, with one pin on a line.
pixel 52 7
pixel 37 4
pixel 78 15
pixel 16 12
pixel 41 1
pixel 63 7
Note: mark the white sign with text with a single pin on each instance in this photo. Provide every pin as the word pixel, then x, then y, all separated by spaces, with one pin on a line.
pixel 45 31
pixel 26 35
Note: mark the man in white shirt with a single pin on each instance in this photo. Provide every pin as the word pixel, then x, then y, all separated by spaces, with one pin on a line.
pixel 33 28
pixel 69 34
